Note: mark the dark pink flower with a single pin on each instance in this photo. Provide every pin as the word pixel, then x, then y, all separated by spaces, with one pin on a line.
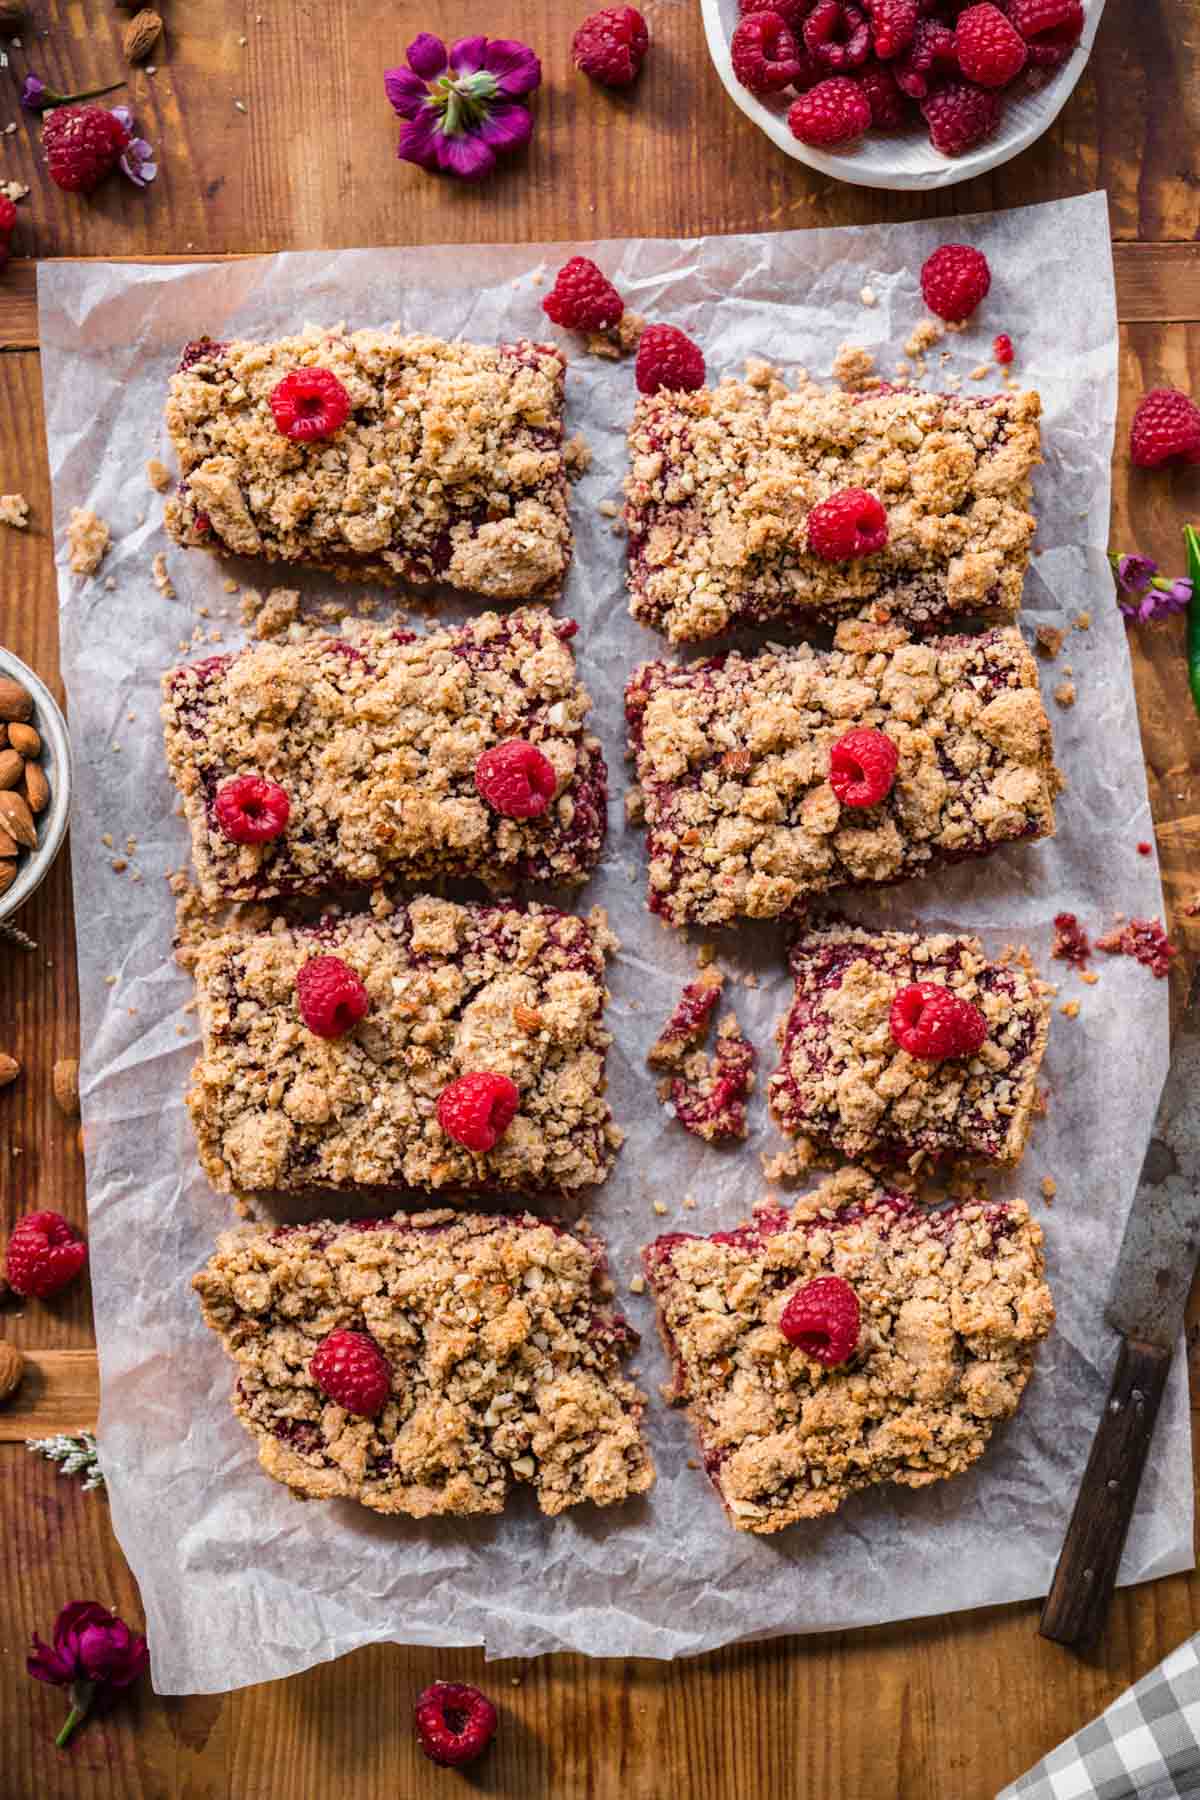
pixel 94 1653
pixel 465 106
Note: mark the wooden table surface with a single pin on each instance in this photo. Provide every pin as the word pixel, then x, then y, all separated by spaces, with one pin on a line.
pixel 942 1709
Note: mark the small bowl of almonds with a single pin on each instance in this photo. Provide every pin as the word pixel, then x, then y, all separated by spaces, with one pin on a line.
pixel 35 782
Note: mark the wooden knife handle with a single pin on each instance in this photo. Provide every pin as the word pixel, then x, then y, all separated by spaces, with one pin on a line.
pixel 1078 1601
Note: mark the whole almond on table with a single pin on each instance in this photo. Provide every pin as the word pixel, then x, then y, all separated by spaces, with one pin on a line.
pixel 141 34
pixel 16 702
pixel 17 820
pixel 25 739
pixel 37 788
pixel 12 767
pixel 12 1367
pixel 65 1082
pixel 10 1068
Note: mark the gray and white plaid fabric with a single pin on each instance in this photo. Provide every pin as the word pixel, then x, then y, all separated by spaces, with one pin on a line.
pixel 1145 1746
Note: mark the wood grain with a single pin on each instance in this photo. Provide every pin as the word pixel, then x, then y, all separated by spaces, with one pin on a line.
pixel 941 1709
pixel 59 1392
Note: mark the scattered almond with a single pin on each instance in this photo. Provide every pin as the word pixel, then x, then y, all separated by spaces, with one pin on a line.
pixel 65 1082
pixel 141 34
pixel 16 702
pixel 10 1068
pixel 25 739
pixel 17 820
pixel 12 767
pixel 12 1367
pixel 37 788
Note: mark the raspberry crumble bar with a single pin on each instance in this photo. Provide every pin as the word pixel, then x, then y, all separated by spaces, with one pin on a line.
pixel 502 1354
pixel 738 787
pixel 376 744
pixel 723 480
pixel 845 1086
pixel 448 991
pixel 950 1307
pixel 447 463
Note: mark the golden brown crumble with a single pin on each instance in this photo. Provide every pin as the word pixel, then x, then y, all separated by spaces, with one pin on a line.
pixel 1050 640
pixel 854 368
pixel 953 1305
pixel 504 1348
pixel 88 539
pixel 1064 693
pixel 158 475
pixel 14 511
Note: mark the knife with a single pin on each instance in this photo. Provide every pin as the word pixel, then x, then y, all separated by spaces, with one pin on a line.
pixel 1146 1306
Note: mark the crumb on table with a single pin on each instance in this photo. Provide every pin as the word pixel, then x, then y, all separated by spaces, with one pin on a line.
pixel 14 511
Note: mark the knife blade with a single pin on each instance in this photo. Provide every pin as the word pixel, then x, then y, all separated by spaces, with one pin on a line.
pixel 1146 1306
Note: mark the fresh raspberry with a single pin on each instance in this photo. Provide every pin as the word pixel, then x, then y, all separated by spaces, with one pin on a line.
pixel 1002 348
pixel 765 55
pixel 991 51
pixel 610 45
pixel 929 1021
pixel 837 35
pixel 823 1319
pixel 83 144
pixel 889 107
pixel 455 1723
pixel 1051 29
pixel 8 219
pixel 862 766
pixel 250 810
pixel 331 997
pixel 583 298
pixel 45 1253
pixel 893 23
pixel 834 112
pixel 667 358
pixel 351 1369
pixel 310 403
pixel 959 116
pixel 1165 430
pixel 516 779
pixel 928 60
pixel 850 523
pixel 477 1110
pixel 954 280
pixel 792 12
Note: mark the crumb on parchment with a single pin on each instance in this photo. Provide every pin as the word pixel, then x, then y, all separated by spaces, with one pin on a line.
pixel 162 579
pixel 158 475
pixel 924 336
pixel 1064 693
pixel 854 368
pixel 88 540
pixel 1050 640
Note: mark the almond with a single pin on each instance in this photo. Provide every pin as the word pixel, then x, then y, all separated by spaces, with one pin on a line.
pixel 12 1367
pixel 37 788
pixel 10 1068
pixel 65 1082
pixel 8 874
pixel 8 844
pixel 12 767
pixel 141 34
pixel 16 702
pixel 17 820
pixel 25 739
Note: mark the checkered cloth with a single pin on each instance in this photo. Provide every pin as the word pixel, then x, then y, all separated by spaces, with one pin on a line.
pixel 1146 1746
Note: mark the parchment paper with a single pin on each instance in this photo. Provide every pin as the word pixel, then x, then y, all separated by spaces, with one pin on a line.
pixel 241 1582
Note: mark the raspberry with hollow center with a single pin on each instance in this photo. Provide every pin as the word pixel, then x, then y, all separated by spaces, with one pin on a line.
pixel 960 115
pixel 823 1318
pixel 1051 29
pixel 991 51
pixel 1002 348
pixel 455 1723
pixel 954 280
pixel 764 54
pixel 929 57
pixel 45 1253
pixel 516 779
pixel 331 997
pixel 477 1110
pixel 929 1021
pixel 893 25
pixel 850 523
pixel 611 45
pixel 250 810
pixel 832 113
pixel 583 298
pixel 667 358
pixel 862 767
pixel 310 403
pixel 83 144
pixel 1165 430
pixel 889 108
pixel 837 35
pixel 352 1371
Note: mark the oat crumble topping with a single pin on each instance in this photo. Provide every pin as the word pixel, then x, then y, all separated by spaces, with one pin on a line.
pixel 88 539
pixel 158 475
pixel 505 1352
pixel 953 1306
pixel 14 511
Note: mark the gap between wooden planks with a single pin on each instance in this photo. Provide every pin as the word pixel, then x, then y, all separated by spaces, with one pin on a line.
pixel 1156 284
pixel 59 1392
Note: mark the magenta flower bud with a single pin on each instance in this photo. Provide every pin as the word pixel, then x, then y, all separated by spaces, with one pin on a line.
pixel 95 1654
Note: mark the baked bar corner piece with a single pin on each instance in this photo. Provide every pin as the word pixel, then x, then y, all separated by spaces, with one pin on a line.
pixel 722 481
pixel 845 1088
pixel 452 990
pixel 502 1347
pixel 951 1308
pixel 449 467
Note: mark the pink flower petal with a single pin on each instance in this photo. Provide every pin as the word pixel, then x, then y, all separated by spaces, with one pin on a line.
pixel 406 91
pixel 468 55
pixel 516 68
pixel 419 141
pixel 466 155
pixel 507 126
pixel 427 55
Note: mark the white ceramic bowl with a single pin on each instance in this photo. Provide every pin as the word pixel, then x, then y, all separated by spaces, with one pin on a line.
pixel 903 160
pixel 50 725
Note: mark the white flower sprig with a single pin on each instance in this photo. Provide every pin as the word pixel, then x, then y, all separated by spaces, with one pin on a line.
pixel 77 1455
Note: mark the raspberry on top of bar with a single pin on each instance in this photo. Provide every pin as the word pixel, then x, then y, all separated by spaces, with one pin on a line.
pixel 945 1311
pixel 376 743
pixel 352 1099
pixel 737 761
pixel 439 462
pixel 845 1084
pixel 723 482
pixel 497 1343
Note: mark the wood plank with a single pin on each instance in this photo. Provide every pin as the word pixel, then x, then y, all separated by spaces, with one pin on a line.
pixel 59 1392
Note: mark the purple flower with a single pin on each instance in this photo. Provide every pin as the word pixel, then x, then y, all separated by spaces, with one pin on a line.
pixel 1135 573
pixel 137 158
pixel 464 106
pixel 37 97
pixel 92 1649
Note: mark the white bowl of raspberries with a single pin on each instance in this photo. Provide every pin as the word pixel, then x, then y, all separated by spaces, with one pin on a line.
pixel 901 93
